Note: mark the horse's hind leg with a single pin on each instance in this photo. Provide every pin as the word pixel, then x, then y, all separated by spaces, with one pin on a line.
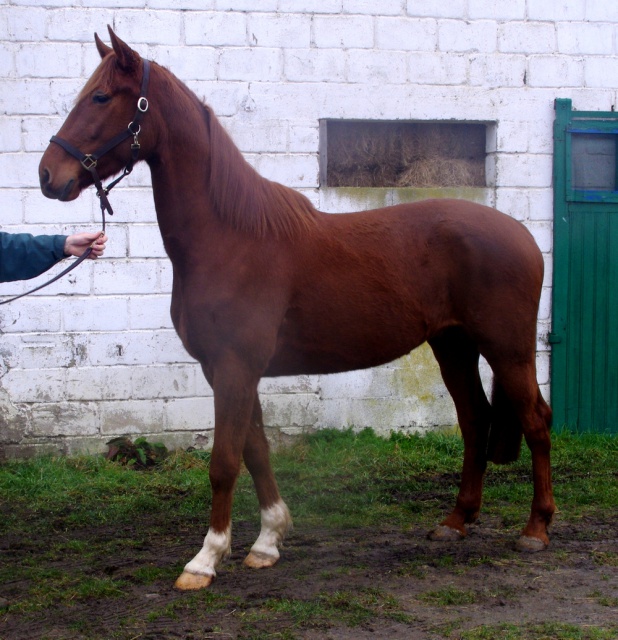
pixel 276 518
pixel 519 383
pixel 458 358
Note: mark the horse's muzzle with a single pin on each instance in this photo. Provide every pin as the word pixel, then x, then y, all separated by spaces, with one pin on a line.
pixel 56 189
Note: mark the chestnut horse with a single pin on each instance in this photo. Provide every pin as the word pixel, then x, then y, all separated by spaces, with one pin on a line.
pixel 266 285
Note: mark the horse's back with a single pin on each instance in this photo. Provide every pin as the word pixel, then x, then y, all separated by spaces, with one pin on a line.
pixel 437 243
pixel 446 224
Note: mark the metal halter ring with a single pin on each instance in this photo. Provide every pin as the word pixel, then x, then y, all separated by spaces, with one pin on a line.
pixel 88 162
pixel 142 104
pixel 130 128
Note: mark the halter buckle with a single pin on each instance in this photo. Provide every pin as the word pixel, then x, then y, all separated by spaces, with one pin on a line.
pixel 88 162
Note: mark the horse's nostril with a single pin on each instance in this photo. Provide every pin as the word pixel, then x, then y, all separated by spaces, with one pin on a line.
pixel 45 177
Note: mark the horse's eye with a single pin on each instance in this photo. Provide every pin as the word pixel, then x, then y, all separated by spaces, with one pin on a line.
pixel 100 98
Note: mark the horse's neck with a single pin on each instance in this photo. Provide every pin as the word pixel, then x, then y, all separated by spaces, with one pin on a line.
pixel 180 171
pixel 204 187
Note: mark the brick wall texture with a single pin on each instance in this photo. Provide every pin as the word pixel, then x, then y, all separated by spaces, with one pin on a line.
pixel 95 355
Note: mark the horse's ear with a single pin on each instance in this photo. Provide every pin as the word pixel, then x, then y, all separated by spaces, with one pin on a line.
pixel 128 60
pixel 102 48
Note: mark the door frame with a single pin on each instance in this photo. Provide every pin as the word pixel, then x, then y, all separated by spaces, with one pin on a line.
pixel 566 200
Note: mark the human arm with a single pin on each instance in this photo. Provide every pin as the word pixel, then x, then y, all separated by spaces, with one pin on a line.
pixel 24 256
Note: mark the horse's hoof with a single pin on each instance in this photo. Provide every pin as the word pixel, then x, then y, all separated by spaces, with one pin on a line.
pixel 192 581
pixel 442 533
pixel 257 560
pixel 528 544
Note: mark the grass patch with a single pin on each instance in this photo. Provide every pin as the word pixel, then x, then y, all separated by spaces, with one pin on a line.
pixel 348 608
pixel 448 597
pixel 608 558
pixel 333 478
pixel 201 602
pixel 76 534
pixel 547 631
pixel 56 588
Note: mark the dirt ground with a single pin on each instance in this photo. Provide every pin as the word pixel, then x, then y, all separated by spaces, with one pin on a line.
pixel 413 588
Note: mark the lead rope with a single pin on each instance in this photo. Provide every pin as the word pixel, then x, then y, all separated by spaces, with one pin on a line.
pixel 89 162
pixel 102 193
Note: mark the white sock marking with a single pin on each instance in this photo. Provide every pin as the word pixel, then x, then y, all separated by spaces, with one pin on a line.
pixel 217 546
pixel 276 521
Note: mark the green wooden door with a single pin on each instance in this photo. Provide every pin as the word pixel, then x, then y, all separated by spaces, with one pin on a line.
pixel 584 337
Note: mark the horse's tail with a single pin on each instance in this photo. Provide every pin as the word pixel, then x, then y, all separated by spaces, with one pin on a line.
pixel 505 431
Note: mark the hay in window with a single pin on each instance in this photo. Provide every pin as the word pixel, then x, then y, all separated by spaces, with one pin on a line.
pixel 392 154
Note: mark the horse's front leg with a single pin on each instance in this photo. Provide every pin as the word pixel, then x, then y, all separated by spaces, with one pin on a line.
pixel 235 391
pixel 276 518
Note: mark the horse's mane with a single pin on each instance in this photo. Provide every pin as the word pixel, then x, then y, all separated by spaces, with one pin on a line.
pixel 241 197
pixel 245 199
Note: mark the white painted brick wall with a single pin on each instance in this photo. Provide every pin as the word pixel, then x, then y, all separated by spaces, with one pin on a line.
pixel 437 9
pixel 314 65
pixel 433 68
pixel 406 34
pixel 96 355
pixel 280 30
pixel 378 67
pixel 600 72
pixel 346 32
pixel 528 38
pixel 559 10
pixel 496 70
pixel 502 11
pixel 217 29
pixel 460 35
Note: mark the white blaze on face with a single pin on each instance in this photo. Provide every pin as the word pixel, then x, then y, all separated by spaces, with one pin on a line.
pixel 276 521
pixel 217 546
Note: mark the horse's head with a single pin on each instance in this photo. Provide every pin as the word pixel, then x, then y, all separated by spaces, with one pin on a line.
pixel 104 110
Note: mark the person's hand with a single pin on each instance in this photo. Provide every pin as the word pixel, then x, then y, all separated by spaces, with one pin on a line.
pixel 76 244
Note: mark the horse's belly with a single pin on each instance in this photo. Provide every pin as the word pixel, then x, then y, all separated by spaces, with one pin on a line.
pixel 335 349
pixel 291 362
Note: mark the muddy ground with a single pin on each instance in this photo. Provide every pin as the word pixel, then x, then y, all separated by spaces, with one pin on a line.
pixel 369 583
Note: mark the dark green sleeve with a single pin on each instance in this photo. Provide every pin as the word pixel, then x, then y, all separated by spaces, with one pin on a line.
pixel 24 256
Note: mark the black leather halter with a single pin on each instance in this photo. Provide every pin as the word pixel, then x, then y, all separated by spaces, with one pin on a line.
pixel 89 162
